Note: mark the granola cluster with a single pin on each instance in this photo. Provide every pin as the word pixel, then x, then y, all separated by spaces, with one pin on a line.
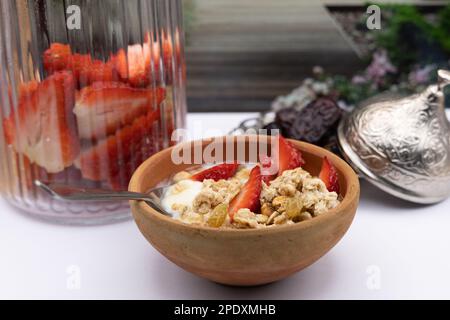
pixel 295 196
pixel 292 197
pixel 212 194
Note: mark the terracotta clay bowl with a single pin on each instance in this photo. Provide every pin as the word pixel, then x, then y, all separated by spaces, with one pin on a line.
pixel 250 256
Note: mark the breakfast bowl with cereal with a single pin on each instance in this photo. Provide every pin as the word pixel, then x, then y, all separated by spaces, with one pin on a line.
pixel 246 220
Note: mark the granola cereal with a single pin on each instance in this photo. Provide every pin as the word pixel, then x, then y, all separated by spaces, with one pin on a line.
pixel 292 197
pixel 310 194
pixel 214 193
pixel 245 218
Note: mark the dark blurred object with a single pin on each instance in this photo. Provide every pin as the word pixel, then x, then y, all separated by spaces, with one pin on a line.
pixel 311 123
pixel 271 126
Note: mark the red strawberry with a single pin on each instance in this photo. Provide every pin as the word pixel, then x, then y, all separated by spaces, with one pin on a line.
pixel 131 144
pixel 88 71
pixel 27 89
pixel 135 65
pixel 57 57
pixel 121 63
pixel 171 54
pixel 31 172
pixel 249 195
pixel 168 56
pixel 104 107
pixel 132 66
pixel 328 174
pixel 9 130
pixel 289 157
pixel 141 152
pixel 8 122
pixel 46 123
pixel 140 64
pixel 101 71
pixel 267 163
pixel 221 171
pixel 85 70
pixel 78 64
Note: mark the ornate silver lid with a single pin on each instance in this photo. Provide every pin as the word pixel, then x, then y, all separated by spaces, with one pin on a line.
pixel 402 145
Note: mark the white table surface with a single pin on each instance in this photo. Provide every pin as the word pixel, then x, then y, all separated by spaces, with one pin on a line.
pixel 392 250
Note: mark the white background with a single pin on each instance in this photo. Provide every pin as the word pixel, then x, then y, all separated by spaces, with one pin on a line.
pixel 393 250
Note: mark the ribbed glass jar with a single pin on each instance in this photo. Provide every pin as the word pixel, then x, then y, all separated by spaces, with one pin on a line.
pixel 88 90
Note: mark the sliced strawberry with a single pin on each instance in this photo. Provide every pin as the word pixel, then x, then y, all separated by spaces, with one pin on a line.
pixel 85 70
pixel 132 143
pixel 104 107
pixel 141 152
pixel 329 175
pixel 9 130
pixel 57 57
pixel 121 63
pixel 267 164
pixel 221 171
pixel 171 55
pixel 27 89
pixel 46 123
pixel 249 195
pixel 121 180
pixel 97 71
pixel 30 172
pixel 134 66
pixel 79 65
pixel 140 64
pixel 70 176
pixel 88 71
pixel 8 122
pixel 288 156
pixel 168 56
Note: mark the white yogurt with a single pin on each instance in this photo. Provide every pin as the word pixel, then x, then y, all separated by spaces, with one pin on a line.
pixel 190 189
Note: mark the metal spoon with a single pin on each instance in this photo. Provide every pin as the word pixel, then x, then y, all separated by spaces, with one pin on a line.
pixel 69 193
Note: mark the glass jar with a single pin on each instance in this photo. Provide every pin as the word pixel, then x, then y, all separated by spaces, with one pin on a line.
pixel 88 91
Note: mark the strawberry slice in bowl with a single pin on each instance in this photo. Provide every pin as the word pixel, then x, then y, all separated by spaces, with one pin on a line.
pixel 216 173
pixel 43 126
pixel 286 157
pixel 248 197
pixel 329 175
pixel 104 107
pixel 267 164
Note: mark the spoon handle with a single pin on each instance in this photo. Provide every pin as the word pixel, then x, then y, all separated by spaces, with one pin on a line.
pixel 76 193
pixel 71 193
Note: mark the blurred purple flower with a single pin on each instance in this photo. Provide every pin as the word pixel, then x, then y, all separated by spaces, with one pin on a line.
pixel 380 67
pixel 421 75
pixel 359 79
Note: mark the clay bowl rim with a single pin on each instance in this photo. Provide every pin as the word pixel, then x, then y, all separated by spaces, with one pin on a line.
pixel 349 175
